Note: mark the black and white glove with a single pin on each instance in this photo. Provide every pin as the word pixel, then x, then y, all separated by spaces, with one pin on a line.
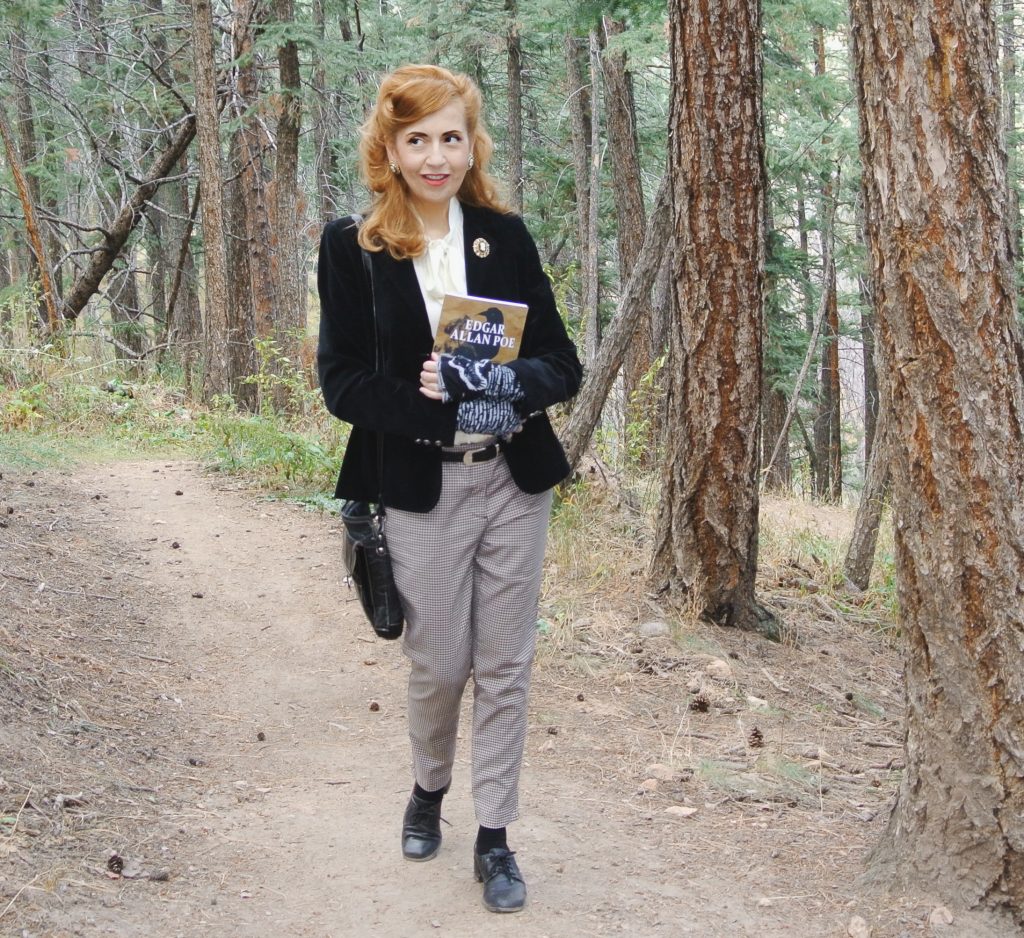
pixel 466 379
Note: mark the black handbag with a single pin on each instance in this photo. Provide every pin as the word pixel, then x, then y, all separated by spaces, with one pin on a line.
pixel 369 567
pixel 366 550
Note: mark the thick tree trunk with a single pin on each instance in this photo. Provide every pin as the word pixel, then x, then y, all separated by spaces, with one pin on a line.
pixel 706 542
pixel 217 333
pixel 951 358
pixel 515 105
pixel 586 410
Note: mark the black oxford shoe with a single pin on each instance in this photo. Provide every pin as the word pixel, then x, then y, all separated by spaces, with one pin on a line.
pixel 421 829
pixel 504 888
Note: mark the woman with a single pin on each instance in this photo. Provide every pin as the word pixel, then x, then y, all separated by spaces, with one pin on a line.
pixel 468 455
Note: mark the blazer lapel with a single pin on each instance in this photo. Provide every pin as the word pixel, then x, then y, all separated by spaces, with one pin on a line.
pixel 399 298
pixel 485 275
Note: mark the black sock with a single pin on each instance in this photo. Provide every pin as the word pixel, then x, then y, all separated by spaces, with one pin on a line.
pixel 433 797
pixel 488 838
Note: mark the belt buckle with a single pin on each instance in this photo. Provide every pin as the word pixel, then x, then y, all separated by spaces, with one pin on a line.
pixel 467 457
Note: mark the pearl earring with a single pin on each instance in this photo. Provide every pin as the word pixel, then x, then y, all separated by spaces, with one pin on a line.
pixel 393 166
pixel 471 161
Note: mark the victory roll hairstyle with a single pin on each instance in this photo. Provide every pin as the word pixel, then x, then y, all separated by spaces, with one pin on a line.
pixel 407 95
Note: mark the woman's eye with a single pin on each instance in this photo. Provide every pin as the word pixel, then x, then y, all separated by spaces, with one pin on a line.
pixel 453 138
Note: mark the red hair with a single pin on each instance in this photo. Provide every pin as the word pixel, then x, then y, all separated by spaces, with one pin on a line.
pixel 407 95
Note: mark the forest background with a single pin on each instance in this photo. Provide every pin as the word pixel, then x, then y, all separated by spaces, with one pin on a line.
pixel 162 197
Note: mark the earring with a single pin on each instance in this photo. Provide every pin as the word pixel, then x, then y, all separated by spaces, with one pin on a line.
pixel 394 167
pixel 471 161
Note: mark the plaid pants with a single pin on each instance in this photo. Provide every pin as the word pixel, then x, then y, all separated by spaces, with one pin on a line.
pixel 469 574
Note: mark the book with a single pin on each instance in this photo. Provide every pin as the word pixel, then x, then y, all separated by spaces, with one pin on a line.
pixel 480 328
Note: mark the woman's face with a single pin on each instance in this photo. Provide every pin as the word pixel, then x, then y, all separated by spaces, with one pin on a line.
pixel 433 155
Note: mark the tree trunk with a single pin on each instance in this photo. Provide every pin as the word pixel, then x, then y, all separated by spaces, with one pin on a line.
pixel 630 215
pixel 217 334
pixel 325 160
pixel 951 356
pixel 777 472
pixel 288 222
pixel 42 264
pixel 867 336
pixel 515 106
pixel 185 328
pixel 860 554
pixel 706 542
pixel 581 116
pixel 827 422
pixel 587 407
pixel 6 317
pixel 591 279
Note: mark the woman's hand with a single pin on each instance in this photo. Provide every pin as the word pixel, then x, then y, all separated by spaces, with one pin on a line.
pixel 428 379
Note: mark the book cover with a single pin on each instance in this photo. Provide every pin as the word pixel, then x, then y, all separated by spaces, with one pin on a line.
pixel 480 328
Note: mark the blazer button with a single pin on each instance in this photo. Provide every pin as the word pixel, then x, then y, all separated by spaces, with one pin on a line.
pixel 437 442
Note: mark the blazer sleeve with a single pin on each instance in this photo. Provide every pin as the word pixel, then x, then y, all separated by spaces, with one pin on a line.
pixel 353 390
pixel 549 370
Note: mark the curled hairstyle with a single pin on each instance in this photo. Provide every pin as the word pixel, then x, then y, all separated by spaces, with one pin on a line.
pixel 406 96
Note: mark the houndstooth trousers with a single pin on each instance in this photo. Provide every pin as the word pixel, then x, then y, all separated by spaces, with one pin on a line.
pixel 469 575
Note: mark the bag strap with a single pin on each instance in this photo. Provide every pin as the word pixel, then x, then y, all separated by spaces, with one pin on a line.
pixel 378 363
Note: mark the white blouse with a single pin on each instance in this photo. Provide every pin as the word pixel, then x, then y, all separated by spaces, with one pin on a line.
pixel 441 268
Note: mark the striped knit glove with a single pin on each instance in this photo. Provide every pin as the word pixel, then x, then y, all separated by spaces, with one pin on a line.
pixel 466 379
pixel 499 418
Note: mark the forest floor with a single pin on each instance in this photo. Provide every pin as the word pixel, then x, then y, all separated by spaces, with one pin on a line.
pixel 199 736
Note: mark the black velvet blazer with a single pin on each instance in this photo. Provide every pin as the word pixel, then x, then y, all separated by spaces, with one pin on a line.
pixel 413 427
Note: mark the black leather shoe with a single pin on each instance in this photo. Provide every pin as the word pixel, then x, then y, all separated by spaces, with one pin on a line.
pixel 421 829
pixel 504 888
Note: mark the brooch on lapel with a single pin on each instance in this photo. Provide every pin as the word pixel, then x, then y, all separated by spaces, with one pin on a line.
pixel 481 248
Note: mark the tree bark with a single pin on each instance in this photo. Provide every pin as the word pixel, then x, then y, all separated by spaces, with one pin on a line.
pixel 217 334
pixel 706 541
pixel 951 358
pixel 586 411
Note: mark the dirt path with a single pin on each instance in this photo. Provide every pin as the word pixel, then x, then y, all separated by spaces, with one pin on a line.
pixel 297 833
pixel 277 768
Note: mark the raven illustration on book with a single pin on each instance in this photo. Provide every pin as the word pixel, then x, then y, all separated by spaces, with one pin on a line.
pixel 468 339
